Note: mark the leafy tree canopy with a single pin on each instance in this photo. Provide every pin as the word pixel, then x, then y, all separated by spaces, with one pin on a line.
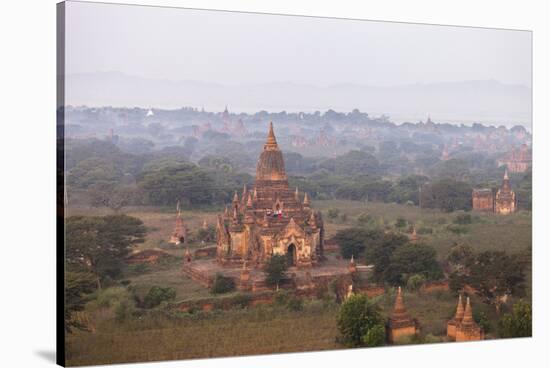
pixel 360 322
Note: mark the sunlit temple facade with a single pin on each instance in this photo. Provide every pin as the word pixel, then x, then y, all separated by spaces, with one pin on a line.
pixel 270 219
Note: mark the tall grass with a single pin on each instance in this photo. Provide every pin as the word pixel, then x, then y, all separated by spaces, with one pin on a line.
pixel 258 330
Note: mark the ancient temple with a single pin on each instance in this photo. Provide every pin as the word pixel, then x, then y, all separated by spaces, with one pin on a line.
pixel 502 202
pixel 505 198
pixel 482 200
pixel 463 327
pixel 270 218
pixel 180 233
pixel 400 324
pixel 518 160
pixel 455 321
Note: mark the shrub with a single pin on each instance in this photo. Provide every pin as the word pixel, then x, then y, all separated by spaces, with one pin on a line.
pixel 457 229
pixel 112 296
pixel 124 310
pixel 518 323
pixel 431 339
pixel 333 213
pixel 275 270
pixel 295 303
pixel 364 218
pixel 400 223
pixel 463 219
pixel 281 298
pixel 360 322
pixel 425 230
pixel 415 282
pixel 242 300
pixel 157 295
pixel 375 336
pixel 482 320
pixel 222 284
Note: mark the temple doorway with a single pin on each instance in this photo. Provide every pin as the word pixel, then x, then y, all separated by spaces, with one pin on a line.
pixel 291 255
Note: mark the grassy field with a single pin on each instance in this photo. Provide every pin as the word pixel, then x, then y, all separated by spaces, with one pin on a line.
pixel 159 221
pixel 510 233
pixel 259 330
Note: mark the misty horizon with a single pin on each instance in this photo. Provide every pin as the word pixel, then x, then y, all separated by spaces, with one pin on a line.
pixel 172 57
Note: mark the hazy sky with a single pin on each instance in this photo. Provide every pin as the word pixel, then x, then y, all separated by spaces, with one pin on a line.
pixel 234 48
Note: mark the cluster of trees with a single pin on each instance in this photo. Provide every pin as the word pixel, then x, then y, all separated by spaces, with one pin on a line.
pixel 116 178
pixel 492 274
pixel 395 259
pixel 96 248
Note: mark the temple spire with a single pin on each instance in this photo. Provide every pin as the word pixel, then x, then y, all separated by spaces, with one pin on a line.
pixel 468 318
pixel 399 308
pixel 506 181
pixel 459 309
pixel 306 200
pixel 271 142
pixel 235 197
pixel 297 195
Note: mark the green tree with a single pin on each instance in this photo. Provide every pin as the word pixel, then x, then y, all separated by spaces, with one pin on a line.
pixel 100 244
pixel 157 295
pixel 275 270
pixel 360 322
pixel 411 259
pixel 448 195
pixel 222 284
pixel 380 250
pixel 400 223
pixel 518 323
pixel 78 286
pixel 353 241
pixel 165 181
pixel 415 282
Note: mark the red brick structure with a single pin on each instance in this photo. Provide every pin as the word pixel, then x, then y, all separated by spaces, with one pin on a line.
pixel 463 327
pixel 400 324
pixel 482 200
pixel 503 202
pixel 270 219
pixel 180 232
pixel 459 315
pixel 146 256
pixel 467 329
pixel 518 160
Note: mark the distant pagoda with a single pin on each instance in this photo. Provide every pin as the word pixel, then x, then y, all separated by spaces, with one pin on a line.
pixel 270 219
pixel 400 324
pixel 463 327
pixel 180 233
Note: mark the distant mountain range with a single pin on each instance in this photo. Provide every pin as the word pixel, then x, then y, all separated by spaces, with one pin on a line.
pixel 487 101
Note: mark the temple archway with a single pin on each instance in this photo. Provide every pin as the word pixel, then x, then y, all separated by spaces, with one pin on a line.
pixel 291 255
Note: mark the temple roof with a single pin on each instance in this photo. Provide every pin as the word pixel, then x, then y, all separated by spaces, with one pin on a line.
pixel 459 315
pixel 271 165
pixel 468 319
pixel 400 317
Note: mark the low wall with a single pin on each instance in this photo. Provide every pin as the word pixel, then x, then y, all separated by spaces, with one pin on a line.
pixel 433 286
